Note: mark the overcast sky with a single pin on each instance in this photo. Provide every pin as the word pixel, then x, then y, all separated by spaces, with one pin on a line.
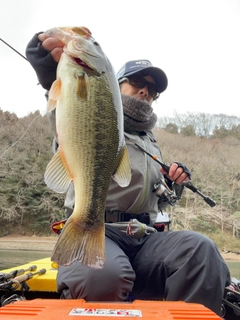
pixel 196 43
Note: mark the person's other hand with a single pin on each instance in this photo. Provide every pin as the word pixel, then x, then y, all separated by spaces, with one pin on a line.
pixel 53 45
pixel 178 173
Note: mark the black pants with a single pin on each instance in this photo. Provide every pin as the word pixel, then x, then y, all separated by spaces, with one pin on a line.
pixel 173 265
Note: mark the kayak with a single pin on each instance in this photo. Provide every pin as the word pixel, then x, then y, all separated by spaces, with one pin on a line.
pixel 42 282
pixel 36 279
pixel 30 292
pixel 39 309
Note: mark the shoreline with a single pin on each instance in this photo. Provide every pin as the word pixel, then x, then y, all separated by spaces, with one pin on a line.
pixel 36 243
pixel 28 243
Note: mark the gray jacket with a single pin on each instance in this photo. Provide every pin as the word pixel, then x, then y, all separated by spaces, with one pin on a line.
pixel 138 197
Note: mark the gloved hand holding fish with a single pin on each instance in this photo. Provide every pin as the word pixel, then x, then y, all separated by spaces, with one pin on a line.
pixel 92 150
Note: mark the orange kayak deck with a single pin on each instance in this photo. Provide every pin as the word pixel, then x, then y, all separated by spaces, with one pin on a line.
pixel 52 309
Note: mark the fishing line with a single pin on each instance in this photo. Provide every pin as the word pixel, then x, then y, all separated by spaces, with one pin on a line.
pixel 20 137
pixel 13 49
pixel 32 120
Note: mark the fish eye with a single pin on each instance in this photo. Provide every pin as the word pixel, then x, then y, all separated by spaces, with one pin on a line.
pixel 95 43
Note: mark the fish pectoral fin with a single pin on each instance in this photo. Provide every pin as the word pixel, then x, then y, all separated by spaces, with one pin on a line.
pixel 76 242
pixel 54 94
pixel 56 176
pixel 123 173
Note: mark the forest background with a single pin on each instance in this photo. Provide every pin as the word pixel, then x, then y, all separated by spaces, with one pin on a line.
pixel 208 144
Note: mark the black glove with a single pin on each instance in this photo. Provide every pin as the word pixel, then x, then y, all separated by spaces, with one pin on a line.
pixel 42 62
pixel 185 168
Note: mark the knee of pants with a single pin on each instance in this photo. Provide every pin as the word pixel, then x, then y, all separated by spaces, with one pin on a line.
pixel 202 242
pixel 112 283
pixel 192 240
pixel 198 246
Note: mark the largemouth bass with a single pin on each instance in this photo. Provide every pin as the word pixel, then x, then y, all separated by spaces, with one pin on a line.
pixel 92 150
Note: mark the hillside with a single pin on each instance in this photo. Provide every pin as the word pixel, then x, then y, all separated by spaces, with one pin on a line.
pixel 28 207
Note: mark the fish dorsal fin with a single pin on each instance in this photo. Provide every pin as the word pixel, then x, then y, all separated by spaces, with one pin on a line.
pixel 56 176
pixel 123 173
pixel 54 94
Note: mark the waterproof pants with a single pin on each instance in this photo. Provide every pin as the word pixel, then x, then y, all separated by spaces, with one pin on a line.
pixel 172 265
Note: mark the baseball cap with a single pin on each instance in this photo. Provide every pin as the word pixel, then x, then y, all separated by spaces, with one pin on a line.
pixel 144 67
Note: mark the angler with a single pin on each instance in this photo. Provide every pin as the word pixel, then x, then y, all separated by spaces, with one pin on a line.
pixel 174 265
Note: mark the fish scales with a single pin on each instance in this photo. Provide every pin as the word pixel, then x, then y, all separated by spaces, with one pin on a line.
pixel 92 150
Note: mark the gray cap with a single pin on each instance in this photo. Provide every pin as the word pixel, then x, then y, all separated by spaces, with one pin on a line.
pixel 144 67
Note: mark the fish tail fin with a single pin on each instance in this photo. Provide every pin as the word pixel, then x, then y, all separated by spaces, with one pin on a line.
pixel 74 243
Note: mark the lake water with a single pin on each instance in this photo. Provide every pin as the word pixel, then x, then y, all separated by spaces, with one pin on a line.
pixel 15 258
pixel 234 267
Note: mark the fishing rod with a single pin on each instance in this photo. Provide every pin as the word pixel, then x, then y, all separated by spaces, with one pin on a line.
pixel 7 44
pixel 31 268
pixel 4 277
pixel 8 282
pixel 26 276
pixel 13 285
pixel 187 184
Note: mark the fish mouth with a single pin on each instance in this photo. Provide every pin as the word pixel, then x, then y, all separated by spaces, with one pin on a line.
pixel 82 63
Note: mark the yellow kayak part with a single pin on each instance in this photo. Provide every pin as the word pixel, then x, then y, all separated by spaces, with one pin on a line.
pixel 40 282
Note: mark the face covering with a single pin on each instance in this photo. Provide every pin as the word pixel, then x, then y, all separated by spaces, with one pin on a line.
pixel 138 114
